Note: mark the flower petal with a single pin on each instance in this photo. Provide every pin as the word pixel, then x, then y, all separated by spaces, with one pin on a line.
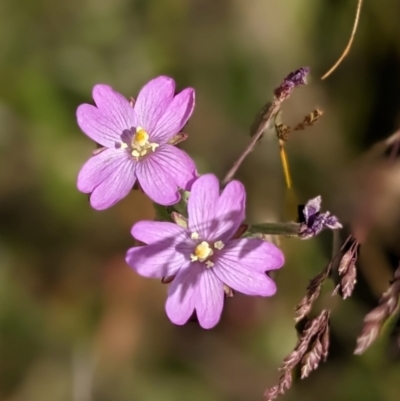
pixel 109 176
pixel 97 168
pixel 106 122
pixel 230 211
pixel 156 260
pixel 153 100
pixel 114 106
pixel 156 183
pixel 151 232
pixel 242 278
pixel 254 254
pixel 97 126
pixel 202 205
pixel 312 207
pixel 177 164
pixel 209 301
pixel 175 116
pixel 162 172
pixel 182 294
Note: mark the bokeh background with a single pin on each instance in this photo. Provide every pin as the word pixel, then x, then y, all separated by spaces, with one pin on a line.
pixel 75 322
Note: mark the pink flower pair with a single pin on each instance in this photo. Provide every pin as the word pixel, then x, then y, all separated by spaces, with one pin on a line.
pixel 203 259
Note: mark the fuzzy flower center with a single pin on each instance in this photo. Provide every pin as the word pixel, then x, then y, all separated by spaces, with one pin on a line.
pixel 140 145
pixel 204 251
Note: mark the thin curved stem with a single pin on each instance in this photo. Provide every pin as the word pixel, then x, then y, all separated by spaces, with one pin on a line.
pixel 348 47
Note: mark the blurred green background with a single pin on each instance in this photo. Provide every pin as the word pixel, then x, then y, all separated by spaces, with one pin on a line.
pixel 75 322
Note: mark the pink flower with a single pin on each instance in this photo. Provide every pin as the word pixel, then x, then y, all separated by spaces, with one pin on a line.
pixel 136 143
pixel 203 257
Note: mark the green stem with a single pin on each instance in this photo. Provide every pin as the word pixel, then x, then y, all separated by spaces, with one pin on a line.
pixel 288 229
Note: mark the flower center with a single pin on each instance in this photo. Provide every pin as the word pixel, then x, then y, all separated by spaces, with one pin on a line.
pixel 203 252
pixel 139 145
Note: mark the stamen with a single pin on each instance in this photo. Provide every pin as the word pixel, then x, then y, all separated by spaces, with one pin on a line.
pixel 194 235
pixel 209 264
pixel 154 146
pixel 219 245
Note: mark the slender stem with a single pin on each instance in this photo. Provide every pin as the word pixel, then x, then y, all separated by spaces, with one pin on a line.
pixel 265 120
pixel 288 229
pixel 285 164
pixel 347 49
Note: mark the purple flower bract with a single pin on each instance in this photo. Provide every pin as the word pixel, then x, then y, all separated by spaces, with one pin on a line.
pixel 203 257
pixel 314 221
pixel 136 143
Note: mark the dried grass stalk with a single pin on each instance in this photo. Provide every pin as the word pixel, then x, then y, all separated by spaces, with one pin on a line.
pixel 312 347
pixel 374 320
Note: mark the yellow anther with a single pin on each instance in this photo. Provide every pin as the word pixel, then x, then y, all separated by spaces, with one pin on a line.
pixel 141 137
pixel 203 250
pixel 209 264
pixel 194 235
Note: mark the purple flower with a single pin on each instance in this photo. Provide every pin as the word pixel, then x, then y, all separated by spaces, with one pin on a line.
pixel 136 143
pixel 294 79
pixel 203 258
pixel 313 221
